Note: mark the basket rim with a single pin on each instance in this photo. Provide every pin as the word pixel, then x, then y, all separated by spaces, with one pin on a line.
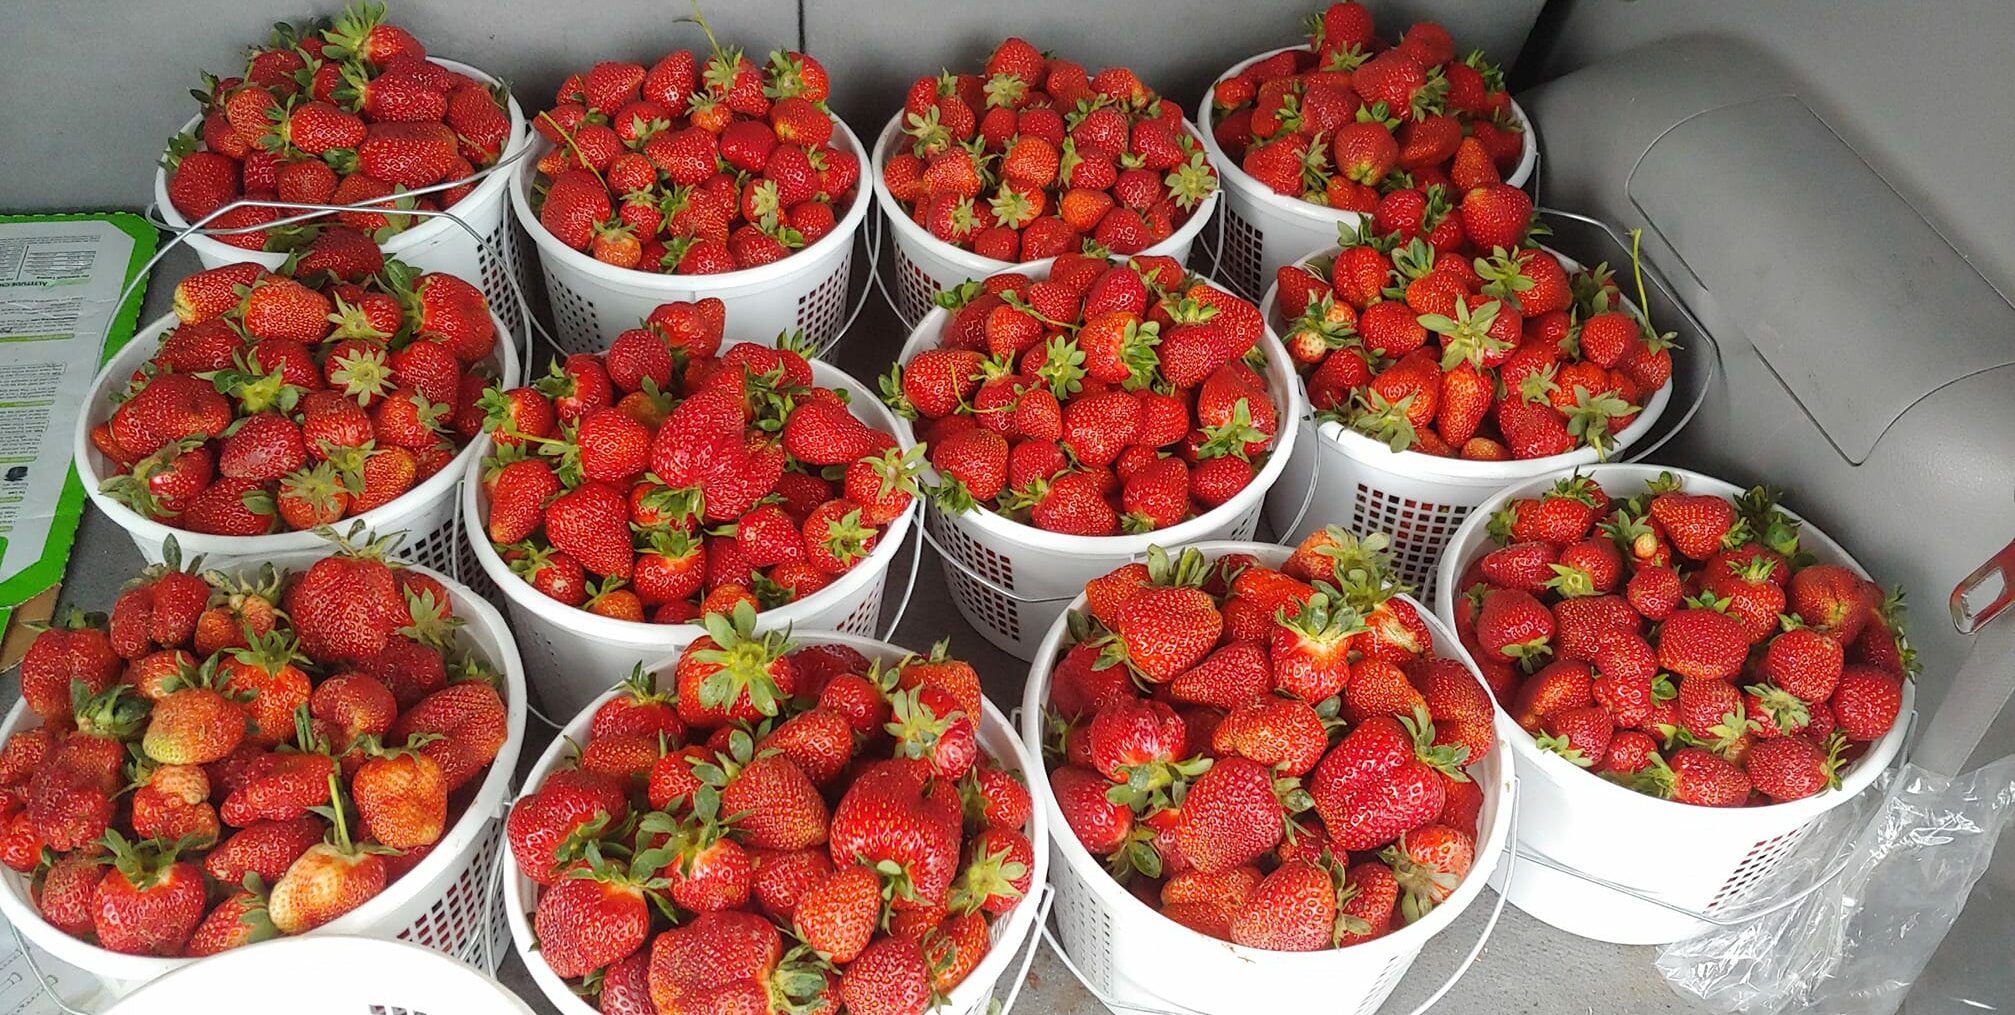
pixel 908 231
pixel 1420 464
pixel 1570 778
pixel 1279 375
pixel 995 724
pixel 1491 845
pixel 142 346
pixel 1315 214
pixel 797 262
pixel 309 955
pixel 418 235
pixel 668 637
pixel 464 835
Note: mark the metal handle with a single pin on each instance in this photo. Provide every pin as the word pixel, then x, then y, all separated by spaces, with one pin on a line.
pixel 1314 439
pixel 881 285
pixel 46 981
pixel 909 587
pixel 1697 331
pixel 989 583
pixel 1034 945
pixel 871 237
pixel 1510 862
pixel 1969 616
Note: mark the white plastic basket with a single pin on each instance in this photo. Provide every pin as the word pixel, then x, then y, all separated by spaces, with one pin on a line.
pixel 1672 869
pixel 1417 498
pixel 442 903
pixel 1011 580
pixel 426 513
pixel 1010 934
pixel 1263 230
pixel 1134 958
pixel 570 652
pixel 594 302
pixel 325 976
pixel 926 265
pixel 489 257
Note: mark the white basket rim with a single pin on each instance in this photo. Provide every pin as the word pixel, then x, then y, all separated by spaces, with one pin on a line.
pixel 998 738
pixel 1314 214
pixel 390 516
pixel 977 266
pixel 419 234
pixel 1279 376
pixel 1462 470
pixel 1573 779
pixel 524 173
pixel 267 962
pixel 669 637
pixel 482 622
pixel 1490 843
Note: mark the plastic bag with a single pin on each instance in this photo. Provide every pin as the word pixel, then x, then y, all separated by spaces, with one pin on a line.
pixel 1854 945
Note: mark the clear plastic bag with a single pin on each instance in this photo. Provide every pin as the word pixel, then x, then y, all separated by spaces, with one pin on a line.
pixel 1856 943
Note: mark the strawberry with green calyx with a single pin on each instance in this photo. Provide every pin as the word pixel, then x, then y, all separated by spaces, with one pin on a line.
pixel 333 877
pixel 997 875
pixel 600 911
pixel 240 918
pixel 930 724
pixel 733 673
pixel 1310 647
pixel 1137 746
pixel 1428 862
pixel 73 649
pixel 151 902
pixel 704 865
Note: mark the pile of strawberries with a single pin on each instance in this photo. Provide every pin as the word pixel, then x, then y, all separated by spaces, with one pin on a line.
pixel 668 478
pixel 230 759
pixel 1681 644
pixel 1351 118
pixel 1272 757
pixel 1441 327
pixel 786 827
pixel 1034 158
pixel 349 113
pixel 1108 396
pixel 693 166
pixel 295 398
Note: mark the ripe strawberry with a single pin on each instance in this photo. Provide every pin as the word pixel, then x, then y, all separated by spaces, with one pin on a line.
pixel 1866 702
pixel 1293 909
pixel 895 814
pixel 470 720
pixel 1695 776
pixel 1702 644
pixel 150 902
pixel 73 649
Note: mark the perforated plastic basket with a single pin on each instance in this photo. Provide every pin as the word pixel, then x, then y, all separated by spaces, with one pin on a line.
pixel 489 258
pixel 570 652
pixel 594 302
pixel 332 975
pixel 1264 230
pixel 1136 958
pixel 1706 860
pixel 1417 498
pixel 426 513
pixel 926 265
pixel 1011 580
pixel 1010 934
pixel 444 903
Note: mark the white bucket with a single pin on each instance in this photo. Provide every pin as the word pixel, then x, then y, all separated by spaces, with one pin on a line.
pixel 1009 934
pixel 594 302
pixel 1133 957
pixel 443 903
pixel 1672 868
pixel 426 513
pixel 926 265
pixel 400 978
pixel 489 258
pixel 571 652
pixel 1264 230
pixel 1011 580
pixel 1417 498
